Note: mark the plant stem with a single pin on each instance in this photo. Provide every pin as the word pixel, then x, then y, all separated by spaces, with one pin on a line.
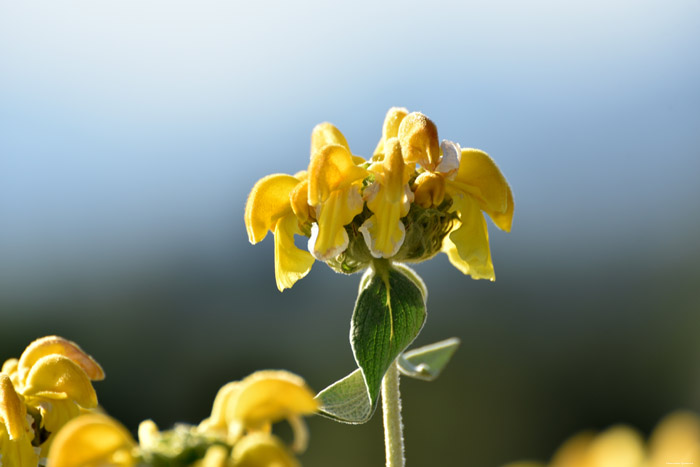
pixel 393 427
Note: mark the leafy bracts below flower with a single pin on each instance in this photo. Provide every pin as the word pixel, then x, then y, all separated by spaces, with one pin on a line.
pixel 413 198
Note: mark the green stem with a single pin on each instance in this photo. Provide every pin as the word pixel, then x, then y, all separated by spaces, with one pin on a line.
pixel 393 427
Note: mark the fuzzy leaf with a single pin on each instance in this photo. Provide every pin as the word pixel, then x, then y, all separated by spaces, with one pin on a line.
pixel 389 314
pixel 427 362
pixel 346 400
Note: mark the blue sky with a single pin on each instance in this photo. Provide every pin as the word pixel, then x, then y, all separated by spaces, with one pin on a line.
pixel 132 128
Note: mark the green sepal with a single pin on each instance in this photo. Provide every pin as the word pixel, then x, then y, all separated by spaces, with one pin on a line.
pixel 346 400
pixel 427 362
pixel 389 314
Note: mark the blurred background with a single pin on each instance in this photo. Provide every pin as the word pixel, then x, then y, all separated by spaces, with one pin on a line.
pixel 131 133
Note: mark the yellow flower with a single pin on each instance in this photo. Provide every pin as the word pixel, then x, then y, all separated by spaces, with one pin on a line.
pixel 90 441
pixel 15 432
pixel 256 402
pixel 327 202
pixel 472 181
pixel 389 198
pixel 270 207
pixel 262 450
pixel 675 440
pixel 53 377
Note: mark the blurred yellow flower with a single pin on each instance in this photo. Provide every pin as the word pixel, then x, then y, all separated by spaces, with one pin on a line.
pixel 675 441
pixel 90 441
pixel 259 400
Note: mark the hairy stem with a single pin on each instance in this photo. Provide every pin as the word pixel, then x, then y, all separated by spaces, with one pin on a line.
pixel 393 427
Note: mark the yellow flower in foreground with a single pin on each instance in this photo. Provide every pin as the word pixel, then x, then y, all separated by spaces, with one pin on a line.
pixel 259 400
pixel 15 433
pixel 473 182
pixel 90 441
pixel 53 379
pixel 262 450
pixel 676 440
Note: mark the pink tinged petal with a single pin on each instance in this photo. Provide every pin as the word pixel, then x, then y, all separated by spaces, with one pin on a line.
pixel 467 246
pixel 268 201
pixel 291 263
pixel 480 176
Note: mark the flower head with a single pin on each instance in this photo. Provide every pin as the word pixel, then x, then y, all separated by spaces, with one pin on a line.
pixel 415 197
pixel 52 382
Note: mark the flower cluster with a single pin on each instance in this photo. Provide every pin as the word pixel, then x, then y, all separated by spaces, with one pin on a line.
pixel 675 441
pixel 40 392
pixel 237 434
pixel 415 197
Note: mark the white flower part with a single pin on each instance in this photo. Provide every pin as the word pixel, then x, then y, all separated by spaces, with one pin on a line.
pixel 370 241
pixel 451 155
pixel 371 191
pixel 312 239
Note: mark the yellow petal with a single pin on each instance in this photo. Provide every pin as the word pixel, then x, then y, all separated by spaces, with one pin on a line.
pixel 573 453
pixel 262 450
pixel 618 446
pixel 17 452
pixel 56 345
pixel 384 232
pixel 390 129
pixel 324 134
pixel 676 439
pixel 479 175
pixel 419 141
pixel 216 456
pixel 430 189
pixel 331 168
pixel 10 366
pixel 299 197
pixel 148 434
pixel 339 209
pixel 59 377
pixel 267 202
pixel 90 441
pixel 269 396
pixel 467 246
pixel 12 410
pixel 291 263
pixel 216 422
pixel 54 412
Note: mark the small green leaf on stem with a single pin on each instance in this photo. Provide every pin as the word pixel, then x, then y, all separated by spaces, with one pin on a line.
pixel 427 362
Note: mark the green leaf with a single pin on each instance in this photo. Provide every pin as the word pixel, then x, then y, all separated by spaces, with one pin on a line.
pixel 427 362
pixel 346 400
pixel 389 314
